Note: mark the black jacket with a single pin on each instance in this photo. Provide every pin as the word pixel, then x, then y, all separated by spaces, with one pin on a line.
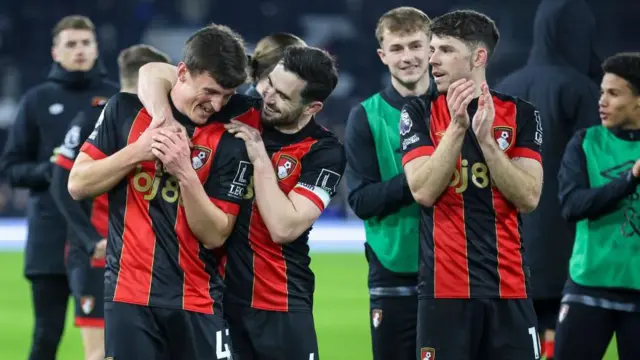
pixel 42 120
pixel 561 78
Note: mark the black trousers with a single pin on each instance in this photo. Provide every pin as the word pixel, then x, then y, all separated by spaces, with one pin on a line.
pixel 584 332
pixel 50 296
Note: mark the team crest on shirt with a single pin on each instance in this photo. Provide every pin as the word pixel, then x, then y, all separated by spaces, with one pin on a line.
pixel 427 353
pixel 285 166
pixel 200 156
pixel 99 101
pixel 376 317
pixel 503 136
pixel 87 303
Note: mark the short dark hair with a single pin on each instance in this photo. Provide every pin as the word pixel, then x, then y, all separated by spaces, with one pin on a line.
pixel 627 66
pixel 75 22
pixel 268 53
pixel 402 20
pixel 468 26
pixel 131 59
pixel 218 51
pixel 316 67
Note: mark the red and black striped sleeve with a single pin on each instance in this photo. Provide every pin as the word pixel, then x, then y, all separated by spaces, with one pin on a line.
pixel 415 134
pixel 322 170
pixel 528 132
pixel 103 140
pixel 231 172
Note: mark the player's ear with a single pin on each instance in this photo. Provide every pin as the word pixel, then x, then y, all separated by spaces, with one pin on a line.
pixel 182 72
pixel 313 108
pixel 382 56
pixel 480 57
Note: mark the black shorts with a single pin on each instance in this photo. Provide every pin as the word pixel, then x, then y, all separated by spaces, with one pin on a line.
pixel 271 335
pixel 547 313
pixel 477 329
pixel 87 287
pixel 393 327
pixel 134 332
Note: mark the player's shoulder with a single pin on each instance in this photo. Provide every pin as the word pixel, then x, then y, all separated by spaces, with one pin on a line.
pixel 327 142
pixel 241 107
pixel 576 141
pixel 122 105
pixel 598 131
pixel 39 91
pixel 417 107
pixel 521 104
pixel 371 99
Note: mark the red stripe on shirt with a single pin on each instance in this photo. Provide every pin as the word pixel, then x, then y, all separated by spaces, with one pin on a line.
pixel 526 153
pixel 509 246
pixel 64 162
pixel 91 150
pixel 416 153
pixel 226 206
pixel 451 272
pixel 196 295
pixel 138 239
pixel 270 288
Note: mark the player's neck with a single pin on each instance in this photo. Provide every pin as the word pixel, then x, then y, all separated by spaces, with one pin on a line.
pixel 479 77
pixel 177 100
pixel 302 122
pixel 419 88
pixel 129 89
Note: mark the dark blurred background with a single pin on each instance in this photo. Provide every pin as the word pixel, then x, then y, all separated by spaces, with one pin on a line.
pixel 343 27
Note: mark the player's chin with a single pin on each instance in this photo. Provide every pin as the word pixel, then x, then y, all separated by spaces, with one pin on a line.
pixel 199 116
pixel 442 86
pixel 608 123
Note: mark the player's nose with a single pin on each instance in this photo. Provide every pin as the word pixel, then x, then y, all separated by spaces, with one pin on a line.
pixel 216 103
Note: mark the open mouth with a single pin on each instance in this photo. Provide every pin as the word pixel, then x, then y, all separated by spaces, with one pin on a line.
pixel 269 110
pixel 205 109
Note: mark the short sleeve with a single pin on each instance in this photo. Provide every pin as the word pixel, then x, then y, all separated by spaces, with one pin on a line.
pixel 103 140
pixel 79 130
pixel 528 133
pixel 321 172
pixel 415 135
pixel 230 175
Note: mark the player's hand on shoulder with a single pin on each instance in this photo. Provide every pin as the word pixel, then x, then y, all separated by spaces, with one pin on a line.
pixel 459 95
pixel 171 147
pixel 252 140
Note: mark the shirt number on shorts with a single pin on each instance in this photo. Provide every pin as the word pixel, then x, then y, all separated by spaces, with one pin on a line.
pixel 536 342
pixel 222 349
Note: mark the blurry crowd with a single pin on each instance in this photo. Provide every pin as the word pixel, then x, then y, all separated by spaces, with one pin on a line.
pixel 343 27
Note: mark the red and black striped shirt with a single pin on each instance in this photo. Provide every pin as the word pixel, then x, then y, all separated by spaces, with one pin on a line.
pixel 470 240
pixel 153 258
pixel 260 273
pixel 87 219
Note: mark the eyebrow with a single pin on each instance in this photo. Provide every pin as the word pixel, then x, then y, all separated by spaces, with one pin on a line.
pixel 217 91
pixel 277 90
